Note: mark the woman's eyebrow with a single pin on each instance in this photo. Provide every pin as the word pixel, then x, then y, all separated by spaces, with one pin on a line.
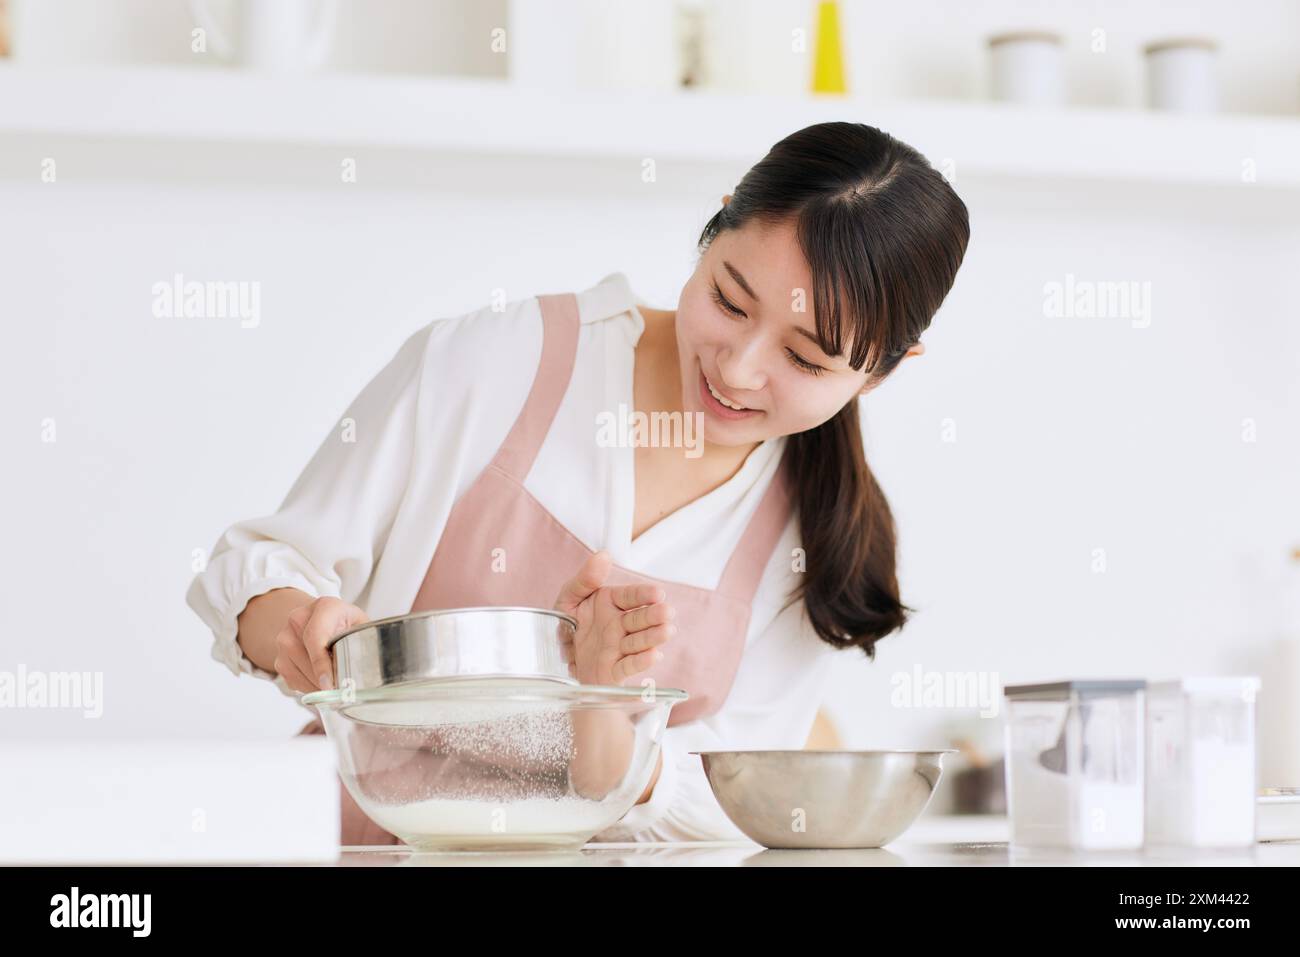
pixel 740 280
pixel 817 342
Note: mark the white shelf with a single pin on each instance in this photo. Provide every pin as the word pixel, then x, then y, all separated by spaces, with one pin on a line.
pixel 179 110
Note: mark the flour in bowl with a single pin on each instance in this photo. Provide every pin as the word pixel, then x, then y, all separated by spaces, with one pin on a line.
pixel 468 823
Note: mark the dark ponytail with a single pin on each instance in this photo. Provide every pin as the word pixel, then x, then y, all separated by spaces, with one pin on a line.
pixel 884 235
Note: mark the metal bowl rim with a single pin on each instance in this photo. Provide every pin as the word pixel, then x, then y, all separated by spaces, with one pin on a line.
pixel 435 612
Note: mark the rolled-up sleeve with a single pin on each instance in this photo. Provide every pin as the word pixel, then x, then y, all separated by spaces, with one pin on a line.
pixel 327 533
pixel 772 705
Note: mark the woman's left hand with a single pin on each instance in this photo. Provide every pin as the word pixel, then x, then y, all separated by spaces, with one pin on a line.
pixel 620 627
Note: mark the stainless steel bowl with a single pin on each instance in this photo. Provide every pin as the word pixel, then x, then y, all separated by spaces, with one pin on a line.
pixel 823 798
pixel 455 643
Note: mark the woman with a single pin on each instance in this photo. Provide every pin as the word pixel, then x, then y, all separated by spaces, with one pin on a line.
pixel 733 567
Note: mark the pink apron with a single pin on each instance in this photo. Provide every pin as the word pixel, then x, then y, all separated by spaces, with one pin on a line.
pixel 498 512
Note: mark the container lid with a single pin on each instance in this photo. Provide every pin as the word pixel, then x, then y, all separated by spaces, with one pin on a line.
pixel 1180 43
pixel 1018 36
pixel 1083 686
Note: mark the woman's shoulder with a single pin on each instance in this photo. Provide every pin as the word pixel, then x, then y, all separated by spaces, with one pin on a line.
pixel 609 299
pixel 497 345
pixel 503 317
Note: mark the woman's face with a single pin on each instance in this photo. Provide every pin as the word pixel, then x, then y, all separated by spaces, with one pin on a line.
pixel 765 357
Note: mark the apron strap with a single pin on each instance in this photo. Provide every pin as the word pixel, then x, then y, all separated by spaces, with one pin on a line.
pixel 560 325
pixel 744 570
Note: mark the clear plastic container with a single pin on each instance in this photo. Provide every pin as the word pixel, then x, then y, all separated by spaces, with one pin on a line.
pixel 1074 764
pixel 1201 788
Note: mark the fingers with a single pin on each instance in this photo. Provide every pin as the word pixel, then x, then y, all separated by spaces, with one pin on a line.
pixel 643 617
pixel 329 617
pixel 293 675
pixel 628 597
pixel 290 652
pixel 590 577
pixel 292 661
pixel 635 664
pixel 643 640
pixel 298 617
pixel 638 635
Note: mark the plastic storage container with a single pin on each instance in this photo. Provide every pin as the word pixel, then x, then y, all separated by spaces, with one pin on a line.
pixel 1074 769
pixel 1201 762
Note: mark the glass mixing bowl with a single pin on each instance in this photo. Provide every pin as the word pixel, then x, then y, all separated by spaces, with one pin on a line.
pixel 495 763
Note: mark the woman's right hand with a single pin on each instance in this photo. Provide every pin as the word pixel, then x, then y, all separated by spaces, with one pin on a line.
pixel 301 654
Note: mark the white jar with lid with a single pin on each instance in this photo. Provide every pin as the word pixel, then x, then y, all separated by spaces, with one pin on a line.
pixel 1074 764
pixel 1180 75
pixel 1027 67
pixel 1201 787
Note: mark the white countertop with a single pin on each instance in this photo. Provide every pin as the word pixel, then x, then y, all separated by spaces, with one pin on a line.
pixel 946 841
pixel 933 841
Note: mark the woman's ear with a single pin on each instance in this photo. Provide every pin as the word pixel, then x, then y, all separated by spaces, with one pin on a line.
pixel 726 199
pixel 916 350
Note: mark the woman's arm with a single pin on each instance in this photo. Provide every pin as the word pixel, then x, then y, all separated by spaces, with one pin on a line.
pixel 327 534
pixel 604 743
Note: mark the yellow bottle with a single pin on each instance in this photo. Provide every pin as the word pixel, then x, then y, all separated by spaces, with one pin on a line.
pixel 828 51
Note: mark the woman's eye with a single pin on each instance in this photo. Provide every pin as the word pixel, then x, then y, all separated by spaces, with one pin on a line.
pixel 799 361
pixel 803 363
pixel 721 300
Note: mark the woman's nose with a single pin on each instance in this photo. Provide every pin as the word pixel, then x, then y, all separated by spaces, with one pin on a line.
pixel 741 367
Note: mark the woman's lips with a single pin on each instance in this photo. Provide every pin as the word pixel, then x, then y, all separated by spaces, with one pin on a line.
pixel 715 407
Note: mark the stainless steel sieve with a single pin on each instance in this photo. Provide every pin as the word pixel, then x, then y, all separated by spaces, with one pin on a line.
pixel 454 644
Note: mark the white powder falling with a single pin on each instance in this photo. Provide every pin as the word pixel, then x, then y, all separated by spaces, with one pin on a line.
pixel 472 759
pixel 473 774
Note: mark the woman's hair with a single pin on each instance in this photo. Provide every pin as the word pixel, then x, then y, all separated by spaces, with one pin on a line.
pixel 883 234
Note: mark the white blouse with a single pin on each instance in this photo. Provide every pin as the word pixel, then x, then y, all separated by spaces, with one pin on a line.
pixel 362 521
